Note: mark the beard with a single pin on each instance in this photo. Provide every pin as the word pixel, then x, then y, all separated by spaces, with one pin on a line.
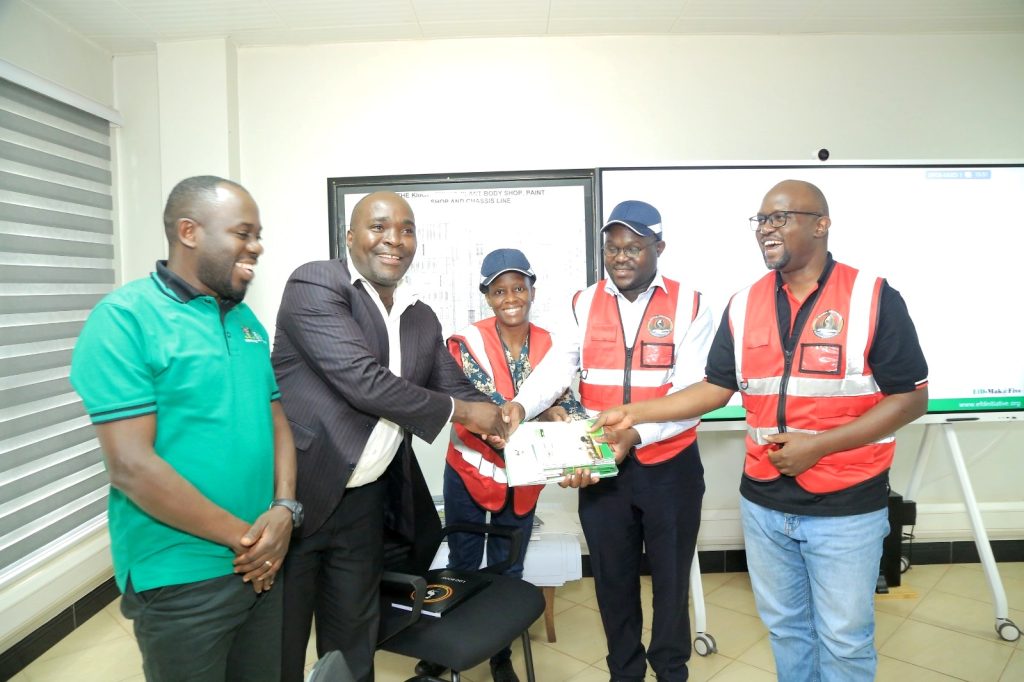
pixel 217 276
pixel 779 264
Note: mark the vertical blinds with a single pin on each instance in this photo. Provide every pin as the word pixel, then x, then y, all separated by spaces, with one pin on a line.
pixel 56 262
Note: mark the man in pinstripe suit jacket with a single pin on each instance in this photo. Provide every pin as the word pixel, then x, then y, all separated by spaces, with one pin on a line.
pixel 362 367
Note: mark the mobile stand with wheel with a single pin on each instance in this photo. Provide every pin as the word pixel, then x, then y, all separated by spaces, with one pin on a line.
pixel 703 643
pixel 1004 627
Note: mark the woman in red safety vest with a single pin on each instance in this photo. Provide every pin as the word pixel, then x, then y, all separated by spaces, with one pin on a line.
pixel 496 354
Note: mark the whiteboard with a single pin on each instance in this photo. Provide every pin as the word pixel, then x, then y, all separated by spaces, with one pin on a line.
pixel 548 215
pixel 949 238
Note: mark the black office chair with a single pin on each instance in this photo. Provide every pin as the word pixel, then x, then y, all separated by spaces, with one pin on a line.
pixel 475 629
pixel 460 639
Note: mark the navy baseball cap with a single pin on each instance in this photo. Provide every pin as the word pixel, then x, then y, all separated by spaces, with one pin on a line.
pixel 638 216
pixel 500 261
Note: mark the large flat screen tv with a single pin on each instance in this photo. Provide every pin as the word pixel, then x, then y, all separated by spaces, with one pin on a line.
pixel 949 238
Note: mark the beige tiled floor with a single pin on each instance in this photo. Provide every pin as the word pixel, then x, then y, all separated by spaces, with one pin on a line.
pixel 940 627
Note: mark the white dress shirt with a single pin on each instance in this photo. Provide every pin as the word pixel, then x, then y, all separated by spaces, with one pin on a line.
pixel 386 436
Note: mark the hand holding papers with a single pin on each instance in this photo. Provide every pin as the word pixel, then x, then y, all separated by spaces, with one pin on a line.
pixel 543 452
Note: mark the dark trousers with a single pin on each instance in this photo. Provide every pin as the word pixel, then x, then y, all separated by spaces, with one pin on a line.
pixel 466 550
pixel 656 508
pixel 335 574
pixel 207 631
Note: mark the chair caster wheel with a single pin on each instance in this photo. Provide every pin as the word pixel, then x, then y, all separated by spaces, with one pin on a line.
pixel 1007 629
pixel 704 644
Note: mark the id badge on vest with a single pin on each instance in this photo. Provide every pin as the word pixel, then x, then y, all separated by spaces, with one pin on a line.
pixel 821 358
pixel 659 355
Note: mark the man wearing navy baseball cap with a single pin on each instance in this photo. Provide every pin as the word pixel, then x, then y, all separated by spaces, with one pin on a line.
pixel 640 217
pixel 633 336
pixel 496 354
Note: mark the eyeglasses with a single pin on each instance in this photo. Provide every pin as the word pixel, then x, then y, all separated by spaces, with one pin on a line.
pixel 777 219
pixel 630 251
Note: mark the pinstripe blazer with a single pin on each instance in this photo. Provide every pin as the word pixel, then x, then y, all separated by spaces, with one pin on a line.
pixel 331 360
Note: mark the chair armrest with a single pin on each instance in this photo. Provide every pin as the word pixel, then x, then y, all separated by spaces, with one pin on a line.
pixel 395 622
pixel 514 534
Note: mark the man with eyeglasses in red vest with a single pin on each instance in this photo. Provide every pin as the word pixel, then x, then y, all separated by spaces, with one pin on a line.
pixel 828 363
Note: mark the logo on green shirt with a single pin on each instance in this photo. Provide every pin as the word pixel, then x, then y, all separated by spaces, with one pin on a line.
pixel 252 336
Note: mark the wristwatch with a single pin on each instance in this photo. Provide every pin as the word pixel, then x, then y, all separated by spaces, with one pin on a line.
pixel 294 506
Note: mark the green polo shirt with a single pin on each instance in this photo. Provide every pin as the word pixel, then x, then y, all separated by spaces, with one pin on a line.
pixel 157 346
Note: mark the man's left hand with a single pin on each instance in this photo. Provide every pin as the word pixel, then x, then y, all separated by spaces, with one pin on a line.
pixel 796 452
pixel 621 440
pixel 267 543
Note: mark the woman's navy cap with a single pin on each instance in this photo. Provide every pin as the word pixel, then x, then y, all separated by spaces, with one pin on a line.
pixel 500 261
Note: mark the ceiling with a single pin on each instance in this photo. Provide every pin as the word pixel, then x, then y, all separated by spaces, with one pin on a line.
pixel 124 26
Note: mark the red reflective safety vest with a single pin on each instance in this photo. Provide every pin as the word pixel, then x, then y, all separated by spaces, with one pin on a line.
pixel 479 465
pixel 612 374
pixel 826 383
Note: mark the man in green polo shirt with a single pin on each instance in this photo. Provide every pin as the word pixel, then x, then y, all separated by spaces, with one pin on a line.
pixel 175 373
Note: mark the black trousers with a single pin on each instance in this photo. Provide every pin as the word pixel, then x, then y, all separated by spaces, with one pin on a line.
pixel 207 631
pixel 335 574
pixel 656 508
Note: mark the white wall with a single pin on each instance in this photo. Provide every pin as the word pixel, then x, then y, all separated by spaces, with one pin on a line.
pixel 140 193
pixel 36 43
pixel 309 113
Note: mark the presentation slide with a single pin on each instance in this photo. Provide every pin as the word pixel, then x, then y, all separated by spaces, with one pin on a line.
pixel 950 239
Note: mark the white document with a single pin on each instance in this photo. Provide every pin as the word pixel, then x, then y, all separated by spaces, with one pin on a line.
pixel 541 452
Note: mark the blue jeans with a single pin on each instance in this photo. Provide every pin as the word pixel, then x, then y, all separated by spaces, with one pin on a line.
pixel 466 550
pixel 814 581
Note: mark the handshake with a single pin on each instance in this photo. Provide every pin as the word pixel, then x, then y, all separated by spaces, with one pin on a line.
pixel 486 419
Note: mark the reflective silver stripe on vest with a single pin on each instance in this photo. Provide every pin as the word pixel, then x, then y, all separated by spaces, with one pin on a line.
pixel 738 318
pixel 643 378
pixel 758 434
pixel 859 325
pixel 475 342
pixel 858 330
pixel 477 461
pixel 808 387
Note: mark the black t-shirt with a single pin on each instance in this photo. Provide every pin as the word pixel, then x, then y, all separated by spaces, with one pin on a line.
pixel 897 364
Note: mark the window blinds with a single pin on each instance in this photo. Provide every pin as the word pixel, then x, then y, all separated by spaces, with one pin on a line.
pixel 56 263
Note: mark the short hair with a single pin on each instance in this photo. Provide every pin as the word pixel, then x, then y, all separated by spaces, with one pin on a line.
pixel 189 197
